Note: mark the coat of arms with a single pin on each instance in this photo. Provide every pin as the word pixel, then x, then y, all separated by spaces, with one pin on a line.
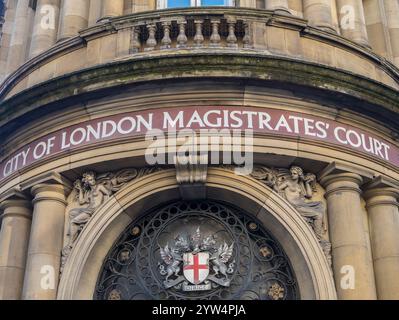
pixel 196 263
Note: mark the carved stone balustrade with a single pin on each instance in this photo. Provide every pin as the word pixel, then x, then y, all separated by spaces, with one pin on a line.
pixel 244 41
pixel 191 31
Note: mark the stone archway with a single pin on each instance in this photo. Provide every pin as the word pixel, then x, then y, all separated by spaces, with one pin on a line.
pixel 309 264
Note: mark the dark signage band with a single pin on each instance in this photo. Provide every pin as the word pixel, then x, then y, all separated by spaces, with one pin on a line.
pixel 260 120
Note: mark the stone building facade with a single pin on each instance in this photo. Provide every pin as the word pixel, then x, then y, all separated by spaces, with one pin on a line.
pixel 98 202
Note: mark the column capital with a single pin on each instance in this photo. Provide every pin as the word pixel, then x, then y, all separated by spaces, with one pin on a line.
pixel 382 191
pixel 15 203
pixel 14 193
pixel 381 182
pixel 52 192
pixel 382 196
pixel 49 178
pixel 345 178
pixel 338 167
pixel 16 207
pixel 48 186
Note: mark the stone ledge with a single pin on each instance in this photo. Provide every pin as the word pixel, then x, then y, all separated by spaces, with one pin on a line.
pixel 268 17
pixel 367 96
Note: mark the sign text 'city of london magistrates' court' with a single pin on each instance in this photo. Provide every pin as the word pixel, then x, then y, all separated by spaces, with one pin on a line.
pixel 260 120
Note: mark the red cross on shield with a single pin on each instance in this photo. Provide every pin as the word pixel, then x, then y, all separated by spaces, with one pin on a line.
pixel 196 267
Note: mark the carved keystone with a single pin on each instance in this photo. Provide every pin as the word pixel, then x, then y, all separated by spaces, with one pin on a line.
pixel 191 174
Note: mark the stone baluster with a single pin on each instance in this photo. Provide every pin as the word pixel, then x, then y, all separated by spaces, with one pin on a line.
pixel 231 38
pixel 199 37
pixel 135 44
pixel 166 41
pixel 182 38
pixel 215 36
pixel 247 39
pixel 151 41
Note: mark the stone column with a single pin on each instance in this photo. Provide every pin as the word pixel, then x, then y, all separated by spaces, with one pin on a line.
pixel 73 18
pixel 6 37
pixel 94 12
pixel 319 14
pixel 45 244
pixel 112 8
pixel 382 207
pixel 352 21
pixel 281 6
pixel 19 40
pixel 377 30
pixel 392 14
pixel 14 237
pixel 45 26
pixel 350 250
pixel 248 3
pixel 296 8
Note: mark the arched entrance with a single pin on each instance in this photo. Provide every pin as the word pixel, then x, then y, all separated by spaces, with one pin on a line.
pixel 196 250
pixel 295 238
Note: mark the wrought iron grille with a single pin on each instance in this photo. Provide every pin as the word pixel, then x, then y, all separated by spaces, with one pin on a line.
pixel 151 258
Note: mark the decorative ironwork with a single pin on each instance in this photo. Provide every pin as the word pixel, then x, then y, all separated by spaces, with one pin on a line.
pixel 276 292
pixel 196 250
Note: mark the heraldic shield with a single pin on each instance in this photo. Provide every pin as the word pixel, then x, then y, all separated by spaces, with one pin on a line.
pixel 196 267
